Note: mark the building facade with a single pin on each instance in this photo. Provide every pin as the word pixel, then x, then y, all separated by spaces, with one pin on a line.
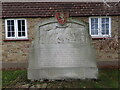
pixel 20 18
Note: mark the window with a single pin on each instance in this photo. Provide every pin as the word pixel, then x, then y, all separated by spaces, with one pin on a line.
pixel 16 29
pixel 100 26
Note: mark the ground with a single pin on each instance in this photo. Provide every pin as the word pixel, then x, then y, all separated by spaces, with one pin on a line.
pixel 108 78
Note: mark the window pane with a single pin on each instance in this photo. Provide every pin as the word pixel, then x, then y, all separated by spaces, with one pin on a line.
pixel 94 26
pixel 103 29
pixel 19 22
pixel 96 20
pixel 92 32
pixel 23 33
pixel 107 20
pixel 107 26
pixel 107 32
pixel 23 22
pixel 19 34
pixel 96 32
pixel 103 20
pixel 13 34
pixel 12 22
pixel 19 28
pixel 103 26
pixel 92 20
pixel 8 22
pixel 23 25
pixel 23 28
pixel 19 25
pixel 103 32
pixel 9 35
pixel 8 28
pixel 12 28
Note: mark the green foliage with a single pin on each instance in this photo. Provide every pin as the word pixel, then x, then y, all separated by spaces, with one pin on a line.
pixel 108 78
pixel 11 77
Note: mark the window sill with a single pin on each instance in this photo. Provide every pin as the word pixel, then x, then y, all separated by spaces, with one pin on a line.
pixel 100 38
pixel 6 40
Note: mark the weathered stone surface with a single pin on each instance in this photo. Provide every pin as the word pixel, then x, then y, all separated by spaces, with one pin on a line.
pixel 62 51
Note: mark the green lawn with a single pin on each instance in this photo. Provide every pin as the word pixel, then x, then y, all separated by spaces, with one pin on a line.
pixel 108 78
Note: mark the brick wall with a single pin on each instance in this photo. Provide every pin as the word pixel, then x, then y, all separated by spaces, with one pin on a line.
pixel 18 51
pixel 107 50
pixel 0 42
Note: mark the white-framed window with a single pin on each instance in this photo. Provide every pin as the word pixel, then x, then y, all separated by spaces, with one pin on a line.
pixel 16 28
pixel 100 27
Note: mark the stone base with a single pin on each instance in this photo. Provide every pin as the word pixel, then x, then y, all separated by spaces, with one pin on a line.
pixel 63 73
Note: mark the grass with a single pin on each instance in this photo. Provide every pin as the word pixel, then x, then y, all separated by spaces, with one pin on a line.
pixel 108 78
pixel 11 77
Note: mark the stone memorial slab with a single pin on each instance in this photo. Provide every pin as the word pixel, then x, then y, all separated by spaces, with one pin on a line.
pixel 62 52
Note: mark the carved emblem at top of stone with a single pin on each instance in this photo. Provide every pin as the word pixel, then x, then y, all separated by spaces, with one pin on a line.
pixel 62 17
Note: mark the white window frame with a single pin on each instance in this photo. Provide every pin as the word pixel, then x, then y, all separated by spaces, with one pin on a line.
pixel 16 30
pixel 99 27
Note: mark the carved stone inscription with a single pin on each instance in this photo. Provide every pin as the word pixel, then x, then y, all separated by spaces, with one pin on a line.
pixel 62 34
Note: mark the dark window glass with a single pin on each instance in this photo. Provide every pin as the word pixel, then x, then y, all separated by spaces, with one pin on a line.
pixel 12 22
pixel 92 32
pixel 8 22
pixel 92 20
pixel 107 20
pixel 13 34
pixel 107 32
pixel 94 26
pixel 19 34
pixel 19 28
pixel 23 33
pixel 23 22
pixel 23 28
pixel 8 28
pixel 103 20
pixel 19 25
pixel 12 28
pixel 103 32
pixel 96 20
pixel 19 22
pixel 9 34
pixel 103 26
pixel 107 26
pixel 96 32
